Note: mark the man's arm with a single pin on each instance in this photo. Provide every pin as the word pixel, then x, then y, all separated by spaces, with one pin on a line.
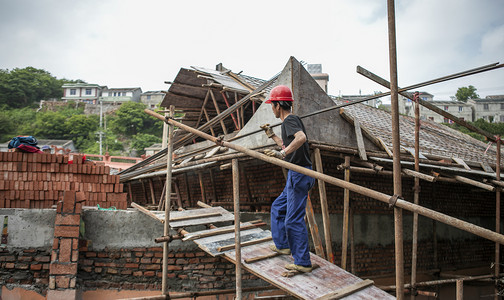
pixel 299 139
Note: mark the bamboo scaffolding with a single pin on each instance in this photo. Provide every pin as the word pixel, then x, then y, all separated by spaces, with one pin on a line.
pixel 439 282
pixel 497 216
pixel 203 293
pixel 398 218
pixel 166 229
pixel 460 224
pixel 324 206
pixel 236 197
pixel 346 216
pixel 239 104
pixel 416 199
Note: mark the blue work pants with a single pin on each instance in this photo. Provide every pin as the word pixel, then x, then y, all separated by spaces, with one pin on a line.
pixel 288 226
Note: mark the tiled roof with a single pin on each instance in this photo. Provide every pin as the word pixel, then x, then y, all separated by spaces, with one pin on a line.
pixel 436 139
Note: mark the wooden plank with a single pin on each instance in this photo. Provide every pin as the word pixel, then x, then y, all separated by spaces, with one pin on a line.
pixel 412 152
pixel 244 244
pixel 348 290
pixel 212 244
pixel 322 281
pixel 224 216
pixel 385 147
pixel 461 162
pixel 221 230
pixel 360 140
pixel 147 212
pixel 486 167
pixel 193 216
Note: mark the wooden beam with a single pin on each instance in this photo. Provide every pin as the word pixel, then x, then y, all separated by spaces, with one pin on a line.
pixel 202 109
pixel 197 235
pixel 208 120
pixel 153 196
pixel 312 223
pixel 346 216
pixel 419 175
pixel 475 183
pixel 360 140
pixel 218 112
pixel 202 187
pixel 146 211
pixel 324 207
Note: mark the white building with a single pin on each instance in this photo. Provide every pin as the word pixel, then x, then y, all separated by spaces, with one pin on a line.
pixel 81 92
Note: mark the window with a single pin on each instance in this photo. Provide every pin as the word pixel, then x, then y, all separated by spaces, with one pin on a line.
pixel 115 94
pixel 502 106
pixel 446 108
pixel 88 91
pixel 461 108
pixel 501 119
pixel 446 120
pixel 485 106
pixel 73 92
pixel 148 97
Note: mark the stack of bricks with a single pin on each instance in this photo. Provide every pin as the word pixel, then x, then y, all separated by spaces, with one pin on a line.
pixel 33 180
pixel 65 252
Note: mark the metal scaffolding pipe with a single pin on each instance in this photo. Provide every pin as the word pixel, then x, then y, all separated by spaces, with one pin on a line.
pixel 463 225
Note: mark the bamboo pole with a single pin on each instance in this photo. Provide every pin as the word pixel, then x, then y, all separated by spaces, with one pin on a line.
pixel 236 197
pixel 352 241
pixel 346 216
pixel 416 197
pixel 460 290
pixel 497 217
pixel 153 195
pixel 398 219
pixel 202 187
pixel 166 230
pixel 460 224
pixel 218 111
pixel 324 206
pixel 439 282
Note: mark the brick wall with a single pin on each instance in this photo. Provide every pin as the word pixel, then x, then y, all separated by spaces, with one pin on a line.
pixel 33 180
pixel 141 268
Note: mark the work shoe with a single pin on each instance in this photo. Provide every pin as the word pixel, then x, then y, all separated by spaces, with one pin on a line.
pixel 299 268
pixel 285 251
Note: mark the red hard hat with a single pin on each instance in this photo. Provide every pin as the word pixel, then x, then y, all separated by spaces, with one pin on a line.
pixel 280 93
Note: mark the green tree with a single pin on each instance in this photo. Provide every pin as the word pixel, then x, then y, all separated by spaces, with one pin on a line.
pixel 24 87
pixel 465 93
pixel 81 129
pixel 143 140
pixel 131 119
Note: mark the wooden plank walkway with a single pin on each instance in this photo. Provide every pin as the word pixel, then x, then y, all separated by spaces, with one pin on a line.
pixel 328 281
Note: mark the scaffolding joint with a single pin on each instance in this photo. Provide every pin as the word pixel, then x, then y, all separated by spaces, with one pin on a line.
pixel 393 200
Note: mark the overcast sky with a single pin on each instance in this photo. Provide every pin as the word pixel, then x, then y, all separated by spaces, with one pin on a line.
pixel 126 43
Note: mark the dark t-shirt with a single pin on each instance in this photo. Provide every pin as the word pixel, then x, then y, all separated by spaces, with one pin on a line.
pixel 290 126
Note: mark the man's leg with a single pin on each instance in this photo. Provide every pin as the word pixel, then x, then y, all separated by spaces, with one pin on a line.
pixel 278 210
pixel 297 233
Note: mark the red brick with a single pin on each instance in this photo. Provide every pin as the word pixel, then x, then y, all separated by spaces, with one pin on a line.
pixel 9 265
pixel 36 267
pixel 67 219
pixel 66 231
pixel 62 282
pixel 131 266
pixel 149 273
pixel 75 255
pixel 137 273
pixel 65 250
pixel 63 269
pixel 69 202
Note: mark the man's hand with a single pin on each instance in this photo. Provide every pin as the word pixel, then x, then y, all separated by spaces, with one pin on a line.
pixel 269 132
pixel 274 153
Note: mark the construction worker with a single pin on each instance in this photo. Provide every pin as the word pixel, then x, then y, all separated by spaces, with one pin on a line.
pixel 288 227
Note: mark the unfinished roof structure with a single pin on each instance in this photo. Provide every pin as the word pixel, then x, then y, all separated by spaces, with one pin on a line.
pixel 457 171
